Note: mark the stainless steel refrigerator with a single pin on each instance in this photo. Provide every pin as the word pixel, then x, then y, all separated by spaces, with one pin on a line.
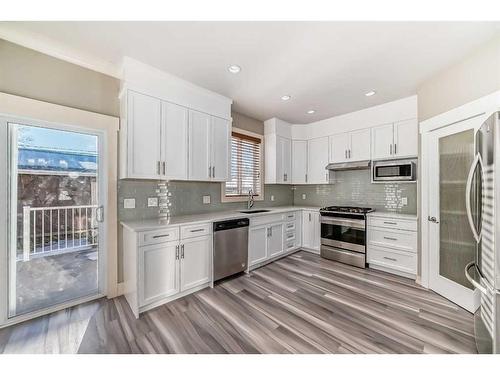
pixel 483 204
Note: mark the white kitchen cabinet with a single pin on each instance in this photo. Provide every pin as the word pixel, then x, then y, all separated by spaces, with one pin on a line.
pixel 275 239
pixel 257 245
pixel 220 148
pixel 208 146
pixel 174 141
pixel 299 162
pixel 317 160
pixel 158 272
pixel 284 160
pixel 395 141
pixel 339 147
pixel 311 230
pixel 406 138
pixel 195 261
pixel 360 141
pixel 142 130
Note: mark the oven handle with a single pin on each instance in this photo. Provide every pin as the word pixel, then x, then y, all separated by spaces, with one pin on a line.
pixel 359 224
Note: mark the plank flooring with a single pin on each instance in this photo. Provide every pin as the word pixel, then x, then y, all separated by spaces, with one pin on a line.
pixel 299 304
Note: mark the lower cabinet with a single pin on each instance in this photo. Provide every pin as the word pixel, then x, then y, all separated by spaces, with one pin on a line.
pixel 158 272
pixel 275 239
pixel 195 262
pixel 311 229
pixel 257 245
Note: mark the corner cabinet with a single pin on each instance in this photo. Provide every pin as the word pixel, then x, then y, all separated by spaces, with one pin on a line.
pixel 395 141
pixel 278 159
pixel 317 160
pixel 164 140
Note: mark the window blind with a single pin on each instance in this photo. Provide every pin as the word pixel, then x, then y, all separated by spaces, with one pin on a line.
pixel 245 165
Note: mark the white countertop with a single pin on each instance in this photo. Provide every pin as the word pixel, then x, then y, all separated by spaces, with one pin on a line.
pixel 393 215
pixel 152 224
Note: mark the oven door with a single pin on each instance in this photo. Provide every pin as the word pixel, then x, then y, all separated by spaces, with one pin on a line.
pixel 343 233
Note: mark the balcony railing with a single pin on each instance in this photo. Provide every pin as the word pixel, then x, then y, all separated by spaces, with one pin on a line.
pixel 50 230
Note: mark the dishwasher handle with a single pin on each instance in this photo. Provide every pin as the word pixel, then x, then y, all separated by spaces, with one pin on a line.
pixel 231 224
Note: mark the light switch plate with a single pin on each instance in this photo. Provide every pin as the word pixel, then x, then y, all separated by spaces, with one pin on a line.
pixel 206 199
pixel 272 198
pixel 404 201
pixel 153 202
pixel 303 196
pixel 129 203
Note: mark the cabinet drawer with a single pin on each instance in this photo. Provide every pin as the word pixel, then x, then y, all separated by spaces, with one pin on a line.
pixel 289 245
pixel 290 216
pixel 387 222
pixel 397 239
pixel 289 235
pixel 290 226
pixel 196 230
pixel 158 236
pixel 401 261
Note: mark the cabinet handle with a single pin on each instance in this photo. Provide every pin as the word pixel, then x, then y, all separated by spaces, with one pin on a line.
pixel 390 222
pixel 349 154
pixel 182 251
pixel 164 168
pixel 306 177
pixel 158 168
pixel 345 152
pixel 209 171
pixel 326 177
pixel 197 230
pixel 395 150
pixel 213 171
pixel 390 148
pixel 390 238
pixel 285 177
pixel 177 252
pixel 393 259
pixel 161 235
pixel 309 216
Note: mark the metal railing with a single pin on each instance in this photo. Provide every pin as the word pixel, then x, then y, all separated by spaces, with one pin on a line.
pixel 48 230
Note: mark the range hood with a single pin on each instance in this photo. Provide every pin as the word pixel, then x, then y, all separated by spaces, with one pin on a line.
pixel 365 164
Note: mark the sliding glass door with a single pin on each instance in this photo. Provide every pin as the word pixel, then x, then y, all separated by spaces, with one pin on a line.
pixel 55 217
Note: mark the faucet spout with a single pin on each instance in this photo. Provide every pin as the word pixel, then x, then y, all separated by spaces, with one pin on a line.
pixel 250 201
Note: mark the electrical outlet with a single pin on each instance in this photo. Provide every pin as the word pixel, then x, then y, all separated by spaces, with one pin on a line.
pixel 272 198
pixel 404 201
pixel 303 196
pixel 153 202
pixel 206 199
pixel 129 203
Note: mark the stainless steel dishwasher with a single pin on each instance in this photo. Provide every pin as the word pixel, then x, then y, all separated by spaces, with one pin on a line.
pixel 230 247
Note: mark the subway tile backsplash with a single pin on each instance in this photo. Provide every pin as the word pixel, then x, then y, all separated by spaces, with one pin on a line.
pixel 354 188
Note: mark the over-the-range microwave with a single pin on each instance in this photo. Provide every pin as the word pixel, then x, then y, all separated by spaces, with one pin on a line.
pixel 394 170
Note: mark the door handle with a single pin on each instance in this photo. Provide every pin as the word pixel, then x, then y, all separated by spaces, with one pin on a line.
pixel 433 219
pixel 468 187
pixel 99 214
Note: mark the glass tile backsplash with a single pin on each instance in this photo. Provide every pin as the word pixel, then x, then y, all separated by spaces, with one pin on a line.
pixel 354 188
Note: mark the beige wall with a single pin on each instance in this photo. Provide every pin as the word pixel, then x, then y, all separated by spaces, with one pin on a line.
pixel 247 123
pixel 475 76
pixel 31 74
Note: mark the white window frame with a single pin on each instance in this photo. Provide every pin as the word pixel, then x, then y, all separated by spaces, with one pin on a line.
pixel 224 198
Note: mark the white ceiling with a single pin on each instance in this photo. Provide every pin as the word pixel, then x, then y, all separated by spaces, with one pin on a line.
pixel 325 66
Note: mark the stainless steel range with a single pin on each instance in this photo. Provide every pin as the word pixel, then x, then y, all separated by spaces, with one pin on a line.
pixel 343 234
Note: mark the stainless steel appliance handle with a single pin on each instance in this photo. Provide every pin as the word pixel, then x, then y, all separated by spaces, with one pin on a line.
pixel 342 221
pixel 474 283
pixel 468 187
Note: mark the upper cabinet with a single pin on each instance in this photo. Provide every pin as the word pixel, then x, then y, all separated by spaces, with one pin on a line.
pixel 171 129
pixel 395 141
pixel 317 160
pixel 278 159
pixel 299 162
pixel 350 146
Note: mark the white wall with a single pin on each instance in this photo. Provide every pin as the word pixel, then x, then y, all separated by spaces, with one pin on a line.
pixel 398 110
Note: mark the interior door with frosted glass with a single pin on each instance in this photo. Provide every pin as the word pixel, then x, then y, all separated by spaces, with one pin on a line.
pixel 452 242
pixel 55 218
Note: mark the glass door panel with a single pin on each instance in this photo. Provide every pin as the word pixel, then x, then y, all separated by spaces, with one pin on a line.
pixel 457 246
pixel 54 226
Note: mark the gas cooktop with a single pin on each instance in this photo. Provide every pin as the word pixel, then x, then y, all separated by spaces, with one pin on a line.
pixel 347 209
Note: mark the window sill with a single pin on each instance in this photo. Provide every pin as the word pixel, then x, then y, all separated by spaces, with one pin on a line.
pixel 240 198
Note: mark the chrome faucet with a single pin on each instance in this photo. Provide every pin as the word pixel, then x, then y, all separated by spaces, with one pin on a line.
pixel 250 201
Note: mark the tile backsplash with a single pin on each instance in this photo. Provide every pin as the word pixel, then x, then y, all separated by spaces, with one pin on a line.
pixel 187 198
pixel 355 188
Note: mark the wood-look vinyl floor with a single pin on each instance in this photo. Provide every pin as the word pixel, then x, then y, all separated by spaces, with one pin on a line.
pixel 299 304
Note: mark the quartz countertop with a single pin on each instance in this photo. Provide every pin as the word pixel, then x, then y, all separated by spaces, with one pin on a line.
pixel 394 215
pixel 152 224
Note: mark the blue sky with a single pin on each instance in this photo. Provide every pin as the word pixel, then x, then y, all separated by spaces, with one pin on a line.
pixel 56 139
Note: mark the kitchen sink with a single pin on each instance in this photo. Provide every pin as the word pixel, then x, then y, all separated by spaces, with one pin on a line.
pixel 253 211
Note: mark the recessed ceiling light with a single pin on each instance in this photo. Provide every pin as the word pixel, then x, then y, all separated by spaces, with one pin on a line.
pixel 370 93
pixel 286 97
pixel 311 111
pixel 234 69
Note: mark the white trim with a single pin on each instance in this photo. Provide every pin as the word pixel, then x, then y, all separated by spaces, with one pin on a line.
pixel 58 50
pixel 260 197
